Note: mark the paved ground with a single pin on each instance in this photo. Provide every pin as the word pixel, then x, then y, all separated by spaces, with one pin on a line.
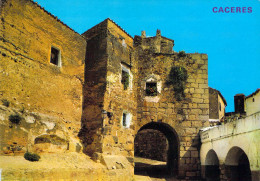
pixel 151 170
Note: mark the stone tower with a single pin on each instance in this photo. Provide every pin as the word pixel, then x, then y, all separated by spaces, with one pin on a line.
pixel 109 108
pixel 176 109
pixel 141 83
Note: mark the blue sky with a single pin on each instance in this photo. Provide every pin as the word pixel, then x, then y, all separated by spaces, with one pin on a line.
pixel 231 40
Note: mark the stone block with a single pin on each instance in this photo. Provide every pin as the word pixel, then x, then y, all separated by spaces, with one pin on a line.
pixel 184 154
pixel 115 162
pixel 186 123
pixel 194 154
pixel 197 100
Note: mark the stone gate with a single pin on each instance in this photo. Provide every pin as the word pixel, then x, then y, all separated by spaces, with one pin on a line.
pixel 130 87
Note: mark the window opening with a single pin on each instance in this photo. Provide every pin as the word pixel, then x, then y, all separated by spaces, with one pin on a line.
pixel 123 43
pixel 125 79
pixel 126 119
pixel 151 89
pixel 55 56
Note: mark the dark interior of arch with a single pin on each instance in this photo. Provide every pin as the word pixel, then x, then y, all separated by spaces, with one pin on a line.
pixel 244 168
pixel 239 170
pixel 151 144
pixel 212 170
pixel 173 148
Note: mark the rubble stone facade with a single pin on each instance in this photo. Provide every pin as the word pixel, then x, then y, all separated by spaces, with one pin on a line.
pixel 106 86
pixel 149 61
pixel 48 97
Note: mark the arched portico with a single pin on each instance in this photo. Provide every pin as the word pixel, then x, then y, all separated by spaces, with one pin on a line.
pixel 236 145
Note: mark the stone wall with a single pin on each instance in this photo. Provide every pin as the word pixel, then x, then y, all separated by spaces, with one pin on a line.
pixel 185 116
pixel 151 144
pixel 113 111
pixel 106 99
pixel 213 104
pixel 29 82
pixel 34 132
pixel 252 103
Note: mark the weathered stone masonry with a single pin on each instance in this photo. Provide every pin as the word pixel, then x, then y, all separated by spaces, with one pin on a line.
pixel 30 83
pixel 186 117
pixel 149 59
pixel 94 102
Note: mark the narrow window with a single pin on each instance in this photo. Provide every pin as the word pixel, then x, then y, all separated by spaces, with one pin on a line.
pixel 125 79
pixel 219 106
pixel 253 99
pixel 126 119
pixel 55 56
pixel 123 43
pixel 151 89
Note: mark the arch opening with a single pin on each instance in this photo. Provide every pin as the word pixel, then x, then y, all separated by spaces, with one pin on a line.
pixel 237 166
pixel 212 170
pixel 159 143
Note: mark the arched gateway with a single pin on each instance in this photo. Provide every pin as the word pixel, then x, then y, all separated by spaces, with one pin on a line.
pixel 173 144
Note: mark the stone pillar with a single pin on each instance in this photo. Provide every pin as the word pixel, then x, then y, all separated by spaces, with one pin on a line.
pixel 143 34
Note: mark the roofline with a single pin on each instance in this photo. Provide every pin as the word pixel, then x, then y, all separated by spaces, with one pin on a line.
pixel 108 19
pixel 55 17
pixel 254 93
pixel 224 100
pixel 119 27
pixel 168 38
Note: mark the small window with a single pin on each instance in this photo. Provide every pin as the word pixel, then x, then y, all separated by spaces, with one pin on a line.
pixel 125 79
pixel 126 119
pixel 123 43
pixel 219 106
pixel 55 56
pixel 253 99
pixel 151 89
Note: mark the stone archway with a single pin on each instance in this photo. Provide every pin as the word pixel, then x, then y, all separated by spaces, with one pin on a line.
pixel 172 144
pixel 237 166
pixel 212 170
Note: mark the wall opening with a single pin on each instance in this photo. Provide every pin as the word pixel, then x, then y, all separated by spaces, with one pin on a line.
pixel 237 166
pixel 126 77
pixel 55 57
pixel 151 89
pixel 212 170
pixel 161 137
pixel 126 119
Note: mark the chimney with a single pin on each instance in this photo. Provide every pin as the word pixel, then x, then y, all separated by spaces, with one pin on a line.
pixel 239 100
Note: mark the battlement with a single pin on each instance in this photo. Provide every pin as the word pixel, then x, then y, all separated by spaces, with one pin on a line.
pixel 155 44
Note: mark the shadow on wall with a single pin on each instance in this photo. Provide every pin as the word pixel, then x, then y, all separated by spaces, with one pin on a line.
pixel 50 143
